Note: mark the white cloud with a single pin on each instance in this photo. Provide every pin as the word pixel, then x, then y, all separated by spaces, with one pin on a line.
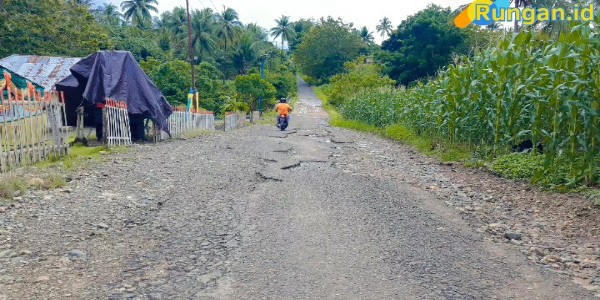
pixel 361 13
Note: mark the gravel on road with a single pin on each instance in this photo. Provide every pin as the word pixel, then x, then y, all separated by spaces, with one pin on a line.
pixel 311 212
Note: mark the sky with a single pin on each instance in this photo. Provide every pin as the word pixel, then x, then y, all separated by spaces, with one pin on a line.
pixel 361 13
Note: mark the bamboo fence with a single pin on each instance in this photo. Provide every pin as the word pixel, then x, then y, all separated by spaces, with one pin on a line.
pixel 116 127
pixel 32 128
pixel 182 121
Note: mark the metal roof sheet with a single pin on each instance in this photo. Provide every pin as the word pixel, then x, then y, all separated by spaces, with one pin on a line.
pixel 45 71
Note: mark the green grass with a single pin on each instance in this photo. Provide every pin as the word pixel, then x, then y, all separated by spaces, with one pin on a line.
pixel 77 156
pixel 50 174
pixel 11 185
pixel 268 118
pixel 517 165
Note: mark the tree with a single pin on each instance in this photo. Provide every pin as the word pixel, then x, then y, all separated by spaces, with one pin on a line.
pixel 143 44
pixel 385 27
pixel 227 29
pixel 244 54
pixel 357 75
pixel 172 78
pixel 175 28
pixel 227 26
pixel 258 33
pixel 325 49
pixel 53 28
pixel 203 41
pixel 421 45
pixel 301 27
pixel 251 87
pixel 283 29
pixel 366 35
pixel 138 12
pixel 109 14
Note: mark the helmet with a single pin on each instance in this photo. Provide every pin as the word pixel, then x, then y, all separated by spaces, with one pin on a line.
pixel 282 100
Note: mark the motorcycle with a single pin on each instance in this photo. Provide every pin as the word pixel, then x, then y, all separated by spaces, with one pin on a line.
pixel 282 122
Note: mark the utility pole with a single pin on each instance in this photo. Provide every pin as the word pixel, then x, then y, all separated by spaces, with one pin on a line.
pixel 191 46
pixel 263 58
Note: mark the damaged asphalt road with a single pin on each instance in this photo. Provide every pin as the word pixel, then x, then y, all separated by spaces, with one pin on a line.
pixel 316 212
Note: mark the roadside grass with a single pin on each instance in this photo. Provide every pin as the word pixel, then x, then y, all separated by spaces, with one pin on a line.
pixel 11 186
pixel 78 156
pixel 515 166
pixel 52 173
pixel 268 118
pixel 397 132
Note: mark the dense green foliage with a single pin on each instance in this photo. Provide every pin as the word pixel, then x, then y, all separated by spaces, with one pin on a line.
pixel 251 88
pixel 421 45
pixel 285 84
pixel 358 75
pixel 326 48
pixel 224 47
pixel 528 87
pixel 49 27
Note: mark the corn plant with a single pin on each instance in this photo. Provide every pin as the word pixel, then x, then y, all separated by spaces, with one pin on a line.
pixel 528 87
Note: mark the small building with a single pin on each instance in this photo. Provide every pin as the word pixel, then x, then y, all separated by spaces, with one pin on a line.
pixel 44 72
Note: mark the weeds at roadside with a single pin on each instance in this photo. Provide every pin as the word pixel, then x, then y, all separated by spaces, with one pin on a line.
pixel 49 175
pixel 196 134
pixel 11 186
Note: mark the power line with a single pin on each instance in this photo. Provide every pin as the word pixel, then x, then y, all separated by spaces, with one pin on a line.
pixel 216 10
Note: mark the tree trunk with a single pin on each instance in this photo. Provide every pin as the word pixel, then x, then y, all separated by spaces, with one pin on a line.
pixel 224 66
pixel 282 53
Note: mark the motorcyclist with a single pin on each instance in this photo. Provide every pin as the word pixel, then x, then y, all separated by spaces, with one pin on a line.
pixel 283 112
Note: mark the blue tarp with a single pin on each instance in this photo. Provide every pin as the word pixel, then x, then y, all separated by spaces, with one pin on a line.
pixel 117 75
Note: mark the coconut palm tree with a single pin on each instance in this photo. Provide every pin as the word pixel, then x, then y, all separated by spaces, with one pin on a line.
pixel 258 32
pixel 246 52
pixel 203 41
pixel 284 29
pixel 175 21
pixel 385 27
pixel 228 25
pixel 138 11
pixel 227 29
pixel 109 14
pixel 366 35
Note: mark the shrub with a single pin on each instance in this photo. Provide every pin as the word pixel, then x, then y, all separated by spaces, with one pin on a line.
pixel 358 75
pixel 251 87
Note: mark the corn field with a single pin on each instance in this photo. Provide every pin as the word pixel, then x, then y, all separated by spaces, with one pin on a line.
pixel 528 87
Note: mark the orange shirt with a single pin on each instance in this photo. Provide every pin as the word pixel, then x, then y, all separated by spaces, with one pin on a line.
pixel 283 109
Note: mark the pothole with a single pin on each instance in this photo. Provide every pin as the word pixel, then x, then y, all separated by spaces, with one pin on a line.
pixel 311 164
pixel 284 150
pixel 264 177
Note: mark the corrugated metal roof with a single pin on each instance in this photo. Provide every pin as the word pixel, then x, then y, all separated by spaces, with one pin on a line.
pixel 45 71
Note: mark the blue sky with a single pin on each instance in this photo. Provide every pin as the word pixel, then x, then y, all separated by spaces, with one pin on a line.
pixel 362 13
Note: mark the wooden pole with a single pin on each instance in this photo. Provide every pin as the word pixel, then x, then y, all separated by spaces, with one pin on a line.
pixel 191 49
